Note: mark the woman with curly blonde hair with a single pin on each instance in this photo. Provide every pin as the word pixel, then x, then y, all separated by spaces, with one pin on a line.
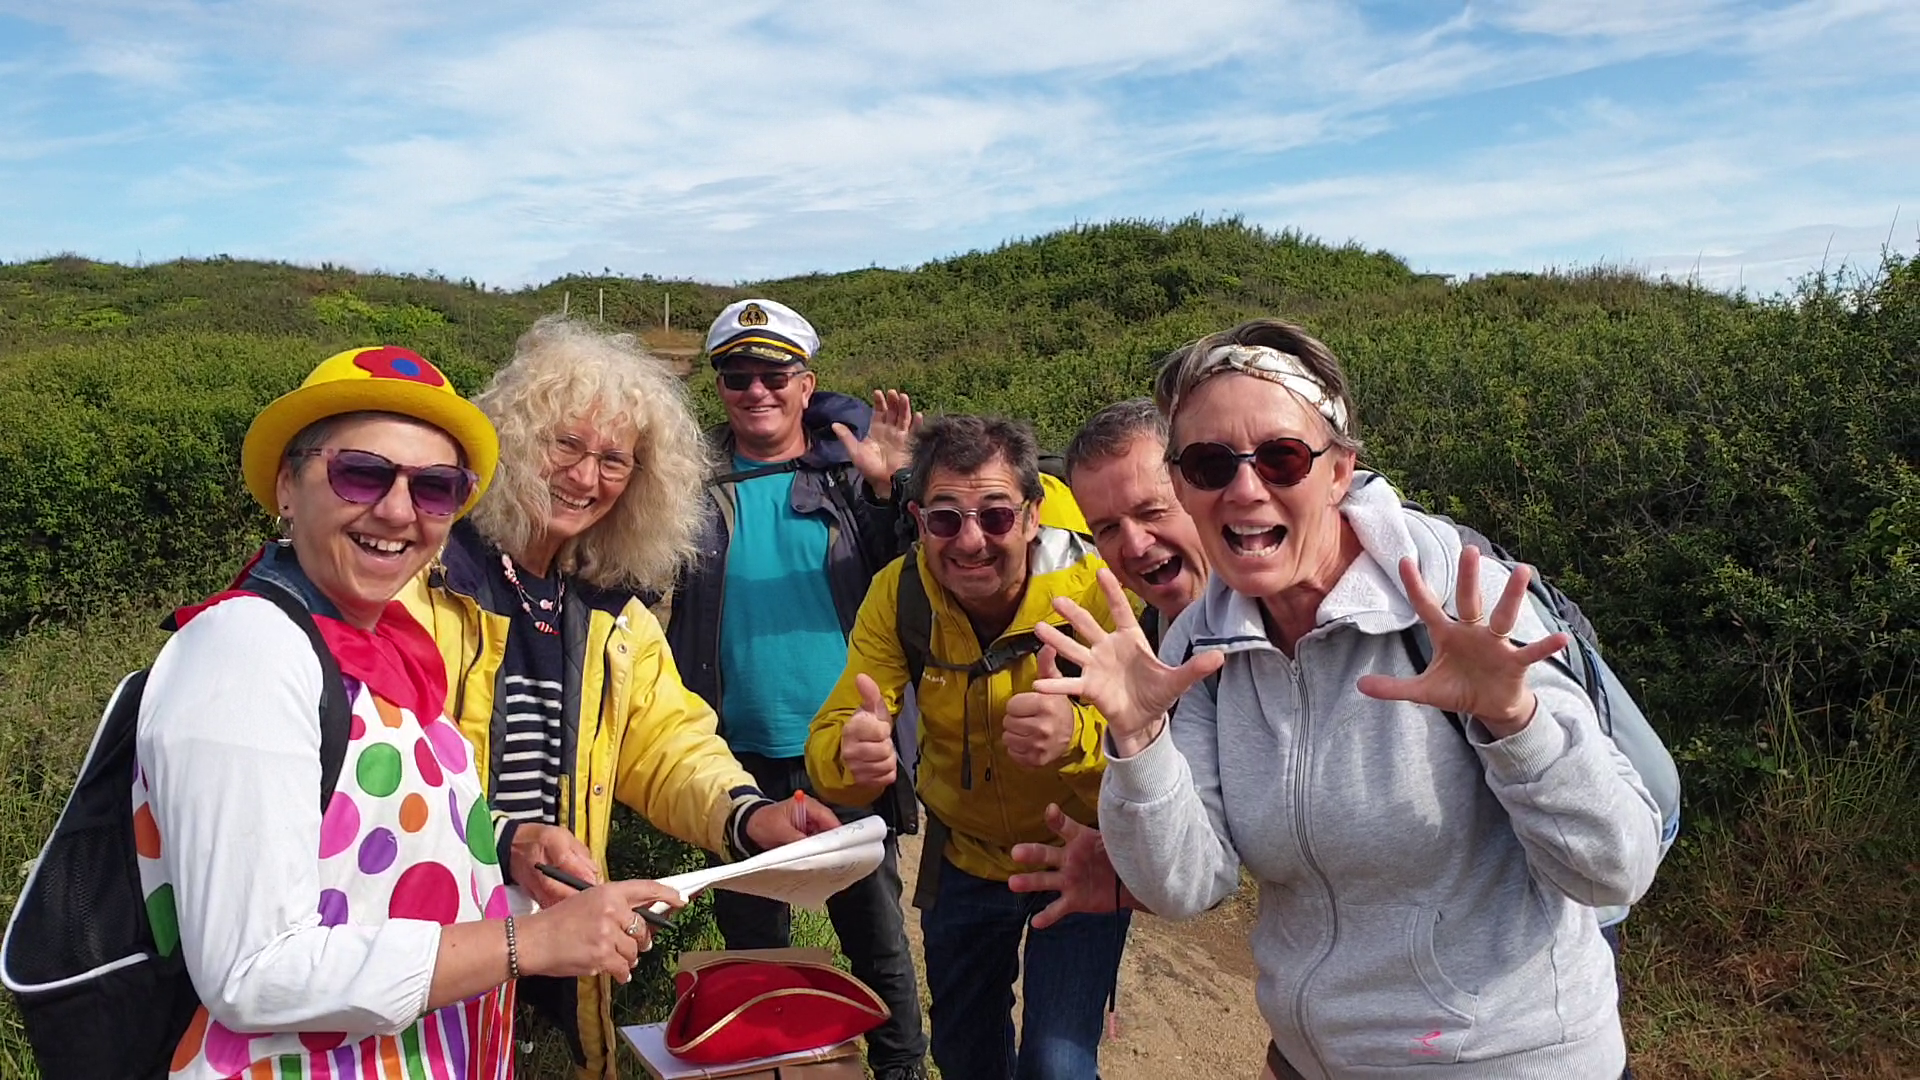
pixel 557 672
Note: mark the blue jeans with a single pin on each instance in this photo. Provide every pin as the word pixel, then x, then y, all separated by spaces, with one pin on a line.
pixel 972 934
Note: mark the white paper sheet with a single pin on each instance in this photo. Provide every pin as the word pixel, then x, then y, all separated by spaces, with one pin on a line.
pixel 804 872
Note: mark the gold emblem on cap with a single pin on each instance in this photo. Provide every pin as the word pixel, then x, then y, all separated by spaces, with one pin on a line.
pixel 753 315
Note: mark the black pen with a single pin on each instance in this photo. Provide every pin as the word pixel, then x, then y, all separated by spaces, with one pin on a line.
pixel 571 882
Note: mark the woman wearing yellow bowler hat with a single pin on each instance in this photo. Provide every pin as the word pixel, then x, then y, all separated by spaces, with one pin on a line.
pixel 341 912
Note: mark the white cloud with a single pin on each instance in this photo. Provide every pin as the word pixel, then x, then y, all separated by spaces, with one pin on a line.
pixel 757 138
pixel 1677 23
pixel 142 64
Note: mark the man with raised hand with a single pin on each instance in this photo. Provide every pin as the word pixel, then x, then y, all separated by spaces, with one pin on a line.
pixel 759 625
pixel 1117 467
pixel 993 754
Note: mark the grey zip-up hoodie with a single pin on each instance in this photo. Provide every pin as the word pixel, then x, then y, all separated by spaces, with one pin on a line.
pixel 1425 897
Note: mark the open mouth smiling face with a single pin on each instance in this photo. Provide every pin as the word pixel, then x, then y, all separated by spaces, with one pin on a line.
pixel 1261 538
pixel 1139 526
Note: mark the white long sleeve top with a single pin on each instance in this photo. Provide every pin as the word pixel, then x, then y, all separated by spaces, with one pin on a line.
pixel 292 921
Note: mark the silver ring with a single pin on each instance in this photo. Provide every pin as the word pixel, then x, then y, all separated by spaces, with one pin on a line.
pixel 633 928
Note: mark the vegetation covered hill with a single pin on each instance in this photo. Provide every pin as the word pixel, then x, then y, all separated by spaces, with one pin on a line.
pixel 1727 484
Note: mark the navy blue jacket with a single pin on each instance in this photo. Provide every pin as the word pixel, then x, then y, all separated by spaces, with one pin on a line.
pixel 862 538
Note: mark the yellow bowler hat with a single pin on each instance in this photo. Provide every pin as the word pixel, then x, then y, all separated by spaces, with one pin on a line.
pixel 380 378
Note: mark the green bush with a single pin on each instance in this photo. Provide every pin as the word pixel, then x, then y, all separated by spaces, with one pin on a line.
pixel 1728 485
pixel 121 463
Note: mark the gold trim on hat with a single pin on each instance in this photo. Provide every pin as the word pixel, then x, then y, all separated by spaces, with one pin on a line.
pixel 744 341
pixel 877 1008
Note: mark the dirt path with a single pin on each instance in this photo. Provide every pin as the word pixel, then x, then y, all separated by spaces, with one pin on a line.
pixel 1186 994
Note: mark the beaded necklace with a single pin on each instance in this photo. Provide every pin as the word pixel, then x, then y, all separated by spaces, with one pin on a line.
pixel 527 602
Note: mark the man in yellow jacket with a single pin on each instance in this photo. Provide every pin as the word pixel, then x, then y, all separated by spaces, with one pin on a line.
pixel 992 753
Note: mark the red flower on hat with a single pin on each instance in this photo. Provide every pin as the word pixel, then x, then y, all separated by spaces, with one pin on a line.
pixel 394 362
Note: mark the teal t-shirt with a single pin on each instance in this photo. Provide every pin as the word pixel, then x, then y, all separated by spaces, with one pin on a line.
pixel 781 647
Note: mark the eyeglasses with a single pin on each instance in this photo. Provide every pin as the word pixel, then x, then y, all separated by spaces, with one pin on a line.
pixel 364 478
pixel 568 451
pixel 738 381
pixel 1211 466
pixel 945 522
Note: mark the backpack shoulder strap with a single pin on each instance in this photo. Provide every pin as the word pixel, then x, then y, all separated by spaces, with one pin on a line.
pixel 737 475
pixel 335 718
pixel 913 616
pixel 1212 681
pixel 1420 651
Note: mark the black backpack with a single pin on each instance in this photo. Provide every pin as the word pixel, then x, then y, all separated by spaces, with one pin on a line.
pixel 101 1000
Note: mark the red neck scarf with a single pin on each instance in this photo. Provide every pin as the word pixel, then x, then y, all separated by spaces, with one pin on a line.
pixel 396 659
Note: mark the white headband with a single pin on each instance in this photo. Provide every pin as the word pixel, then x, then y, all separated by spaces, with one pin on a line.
pixel 1274 366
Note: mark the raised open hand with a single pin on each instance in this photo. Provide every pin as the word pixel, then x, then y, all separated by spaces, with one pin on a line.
pixel 1077 868
pixel 1119 673
pixel 1475 671
pixel 866 740
pixel 889 443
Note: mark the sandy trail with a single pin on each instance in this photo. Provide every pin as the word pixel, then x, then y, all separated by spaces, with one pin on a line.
pixel 1186 994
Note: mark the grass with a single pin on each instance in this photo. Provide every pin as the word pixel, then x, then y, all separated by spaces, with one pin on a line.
pixel 54 682
pixel 1781 940
pixel 1785 941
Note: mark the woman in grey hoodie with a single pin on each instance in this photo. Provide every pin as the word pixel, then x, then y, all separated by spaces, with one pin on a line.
pixel 1426 889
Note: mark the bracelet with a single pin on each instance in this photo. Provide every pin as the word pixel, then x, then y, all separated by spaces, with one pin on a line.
pixel 513 953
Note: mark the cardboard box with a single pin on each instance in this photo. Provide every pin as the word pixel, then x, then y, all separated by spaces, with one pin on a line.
pixel 839 1062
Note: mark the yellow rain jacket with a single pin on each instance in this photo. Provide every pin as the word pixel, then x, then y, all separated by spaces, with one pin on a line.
pixel 635 734
pixel 988 802
pixel 1058 508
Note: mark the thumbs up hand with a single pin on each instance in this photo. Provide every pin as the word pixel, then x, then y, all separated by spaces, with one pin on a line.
pixel 1038 728
pixel 866 740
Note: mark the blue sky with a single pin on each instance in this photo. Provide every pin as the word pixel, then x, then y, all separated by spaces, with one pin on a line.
pixel 1742 143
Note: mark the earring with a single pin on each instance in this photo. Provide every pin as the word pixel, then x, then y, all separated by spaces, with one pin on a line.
pixel 285 528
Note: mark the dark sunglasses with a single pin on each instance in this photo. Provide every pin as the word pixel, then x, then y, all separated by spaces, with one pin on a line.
pixel 772 380
pixel 1211 466
pixel 364 478
pixel 945 522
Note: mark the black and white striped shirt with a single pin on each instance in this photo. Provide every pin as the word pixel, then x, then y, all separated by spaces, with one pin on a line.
pixel 528 788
